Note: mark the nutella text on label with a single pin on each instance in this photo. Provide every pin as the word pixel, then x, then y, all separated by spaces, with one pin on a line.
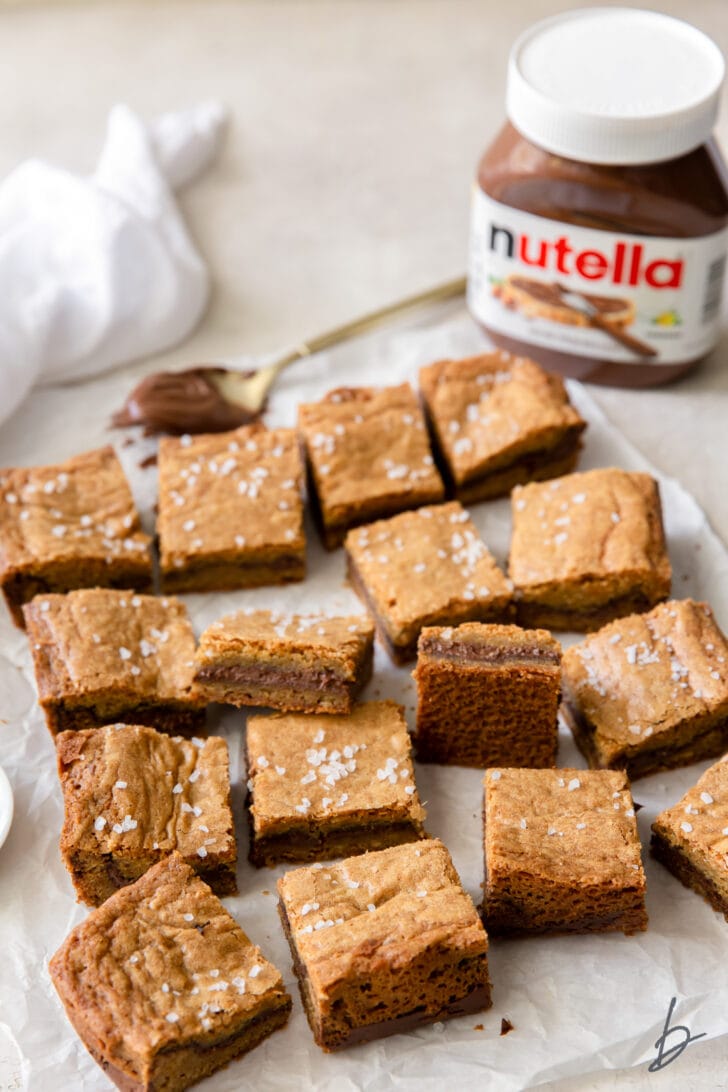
pixel 624 263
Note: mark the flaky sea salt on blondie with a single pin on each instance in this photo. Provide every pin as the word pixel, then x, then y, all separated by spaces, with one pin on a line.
pixel 499 421
pixel 383 943
pixel 587 548
pixel 102 656
pixel 73 525
pixel 691 838
pixel 650 692
pixel 132 796
pixel 162 985
pixel 368 457
pixel 425 568
pixel 330 786
pixel 231 510
pixel 562 853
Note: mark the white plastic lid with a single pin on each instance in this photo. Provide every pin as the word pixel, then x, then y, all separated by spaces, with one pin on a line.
pixel 614 85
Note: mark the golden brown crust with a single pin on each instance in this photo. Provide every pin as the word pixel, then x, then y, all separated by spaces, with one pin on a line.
pixel 108 652
pixel 428 567
pixel 650 691
pixel 310 663
pixel 368 456
pixel 159 968
pixel 132 796
pixel 691 838
pixel 402 923
pixel 562 853
pixel 68 526
pixel 489 412
pixel 316 780
pixel 231 510
pixel 183 1066
pixel 487 695
pixel 397 920
pixel 585 545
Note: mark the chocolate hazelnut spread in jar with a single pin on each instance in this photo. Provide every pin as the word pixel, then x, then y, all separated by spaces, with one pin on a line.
pixel 599 224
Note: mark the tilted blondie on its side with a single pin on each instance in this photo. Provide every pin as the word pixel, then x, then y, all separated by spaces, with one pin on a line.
pixel 487 695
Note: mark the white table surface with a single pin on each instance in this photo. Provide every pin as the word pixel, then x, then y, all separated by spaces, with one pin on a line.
pixel 343 184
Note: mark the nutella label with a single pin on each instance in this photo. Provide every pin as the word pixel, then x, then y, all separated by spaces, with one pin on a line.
pixel 602 294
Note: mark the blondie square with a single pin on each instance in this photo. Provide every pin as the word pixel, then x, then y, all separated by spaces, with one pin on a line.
pixel 162 985
pixel 588 548
pixel 331 786
pixel 691 839
pixel 291 662
pixel 498 421
pixel 650 692
pixel 425 568
pixel 68 526
pixel 102 656
pixel 487 695
pixel 132 796
pixel 383 943
pixel 230 510
pixel 368 457
pixel 562 854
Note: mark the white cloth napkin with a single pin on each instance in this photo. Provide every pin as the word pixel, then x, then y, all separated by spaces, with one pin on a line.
pixel 97 271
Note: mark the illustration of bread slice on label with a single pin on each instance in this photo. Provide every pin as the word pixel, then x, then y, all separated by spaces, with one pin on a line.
pixel 537 299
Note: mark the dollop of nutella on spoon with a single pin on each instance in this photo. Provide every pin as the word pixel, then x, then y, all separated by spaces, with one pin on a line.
pixel 180 402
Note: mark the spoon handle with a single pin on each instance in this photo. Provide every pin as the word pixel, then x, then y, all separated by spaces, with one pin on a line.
pixel 447 291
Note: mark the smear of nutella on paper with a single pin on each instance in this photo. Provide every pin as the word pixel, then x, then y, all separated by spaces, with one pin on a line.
pixel 181 402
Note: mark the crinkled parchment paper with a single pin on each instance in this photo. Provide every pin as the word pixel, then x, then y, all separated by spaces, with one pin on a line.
pixel 578 1004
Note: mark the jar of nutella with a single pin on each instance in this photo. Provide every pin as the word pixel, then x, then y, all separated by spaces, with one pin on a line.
pixel 599 223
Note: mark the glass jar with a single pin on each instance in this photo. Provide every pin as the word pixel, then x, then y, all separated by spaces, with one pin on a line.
pixel 599 219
